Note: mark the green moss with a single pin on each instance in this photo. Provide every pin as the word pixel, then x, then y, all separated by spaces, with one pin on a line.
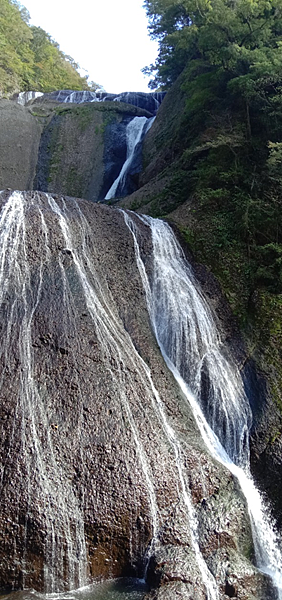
pixel 83 114
pixel 108 119
pixel 54 151
pixel 265 319
pixel 74 182
pixel 259 311
pixel 211 245
pixel 85 117
pixel 104 107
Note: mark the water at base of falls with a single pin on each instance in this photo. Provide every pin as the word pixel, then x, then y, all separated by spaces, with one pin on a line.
pixel 116 589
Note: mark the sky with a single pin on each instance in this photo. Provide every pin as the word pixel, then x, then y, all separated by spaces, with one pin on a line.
pixel 107 38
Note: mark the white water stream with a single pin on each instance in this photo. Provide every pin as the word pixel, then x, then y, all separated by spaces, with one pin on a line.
pixel 135 131
pixel 113 343
pixel 110 337
pixel 187 335
pixel 63 512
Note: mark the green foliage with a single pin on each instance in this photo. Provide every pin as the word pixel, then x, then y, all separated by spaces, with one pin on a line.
pixel 16 57
pixel 29 58
pixel 223 60
pixel 228 153
pixel 52 69
pixel 242 38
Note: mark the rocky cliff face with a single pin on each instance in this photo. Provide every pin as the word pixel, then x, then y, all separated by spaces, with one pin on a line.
pixel 65 148
pixel 19 143
pixel 90 481
pixel 161 193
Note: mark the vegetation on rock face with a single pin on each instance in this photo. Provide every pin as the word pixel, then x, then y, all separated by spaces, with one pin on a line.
pixel 29 58
pixel 241 39
pixel 223 158
pixel 212 166
pixel 230 138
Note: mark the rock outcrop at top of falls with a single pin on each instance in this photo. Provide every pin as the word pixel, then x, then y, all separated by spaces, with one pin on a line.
pixel 91 482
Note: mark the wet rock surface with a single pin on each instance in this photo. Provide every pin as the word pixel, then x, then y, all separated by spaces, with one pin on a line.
pixel 90 485
pixel 82 148
pixel 114 154
pixel 19 142
pixel 146 101
pixel 73 149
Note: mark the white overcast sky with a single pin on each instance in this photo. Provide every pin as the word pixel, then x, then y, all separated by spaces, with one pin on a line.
pixel 108 38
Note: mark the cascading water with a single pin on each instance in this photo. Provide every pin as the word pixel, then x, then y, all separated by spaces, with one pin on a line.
pixel 25 97
pixel 135 132
pixel 150 101
pixel 187 336
pixel 65 546
pixel 111 158
pixel 186 332
pixel 109 336
pixel 111 341
pixel 82 389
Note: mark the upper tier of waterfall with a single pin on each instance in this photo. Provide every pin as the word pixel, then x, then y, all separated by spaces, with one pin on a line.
pixel 93 151
pixel 148 101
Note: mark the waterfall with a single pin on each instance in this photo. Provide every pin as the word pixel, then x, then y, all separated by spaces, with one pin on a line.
pixel 65 547
pixel 150 101
pixel 135 132
pixel 77 97
pixel 25 97
pixel 125 353
pixel 62 511
pixel 187 336
pixel 64 542
pixel 50 247
pixel 110 338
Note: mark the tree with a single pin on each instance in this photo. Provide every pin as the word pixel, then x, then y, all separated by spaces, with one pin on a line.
pixel 229 55
pixel 16 57
pixel 29 58
pixel 52 69
pixel 238 37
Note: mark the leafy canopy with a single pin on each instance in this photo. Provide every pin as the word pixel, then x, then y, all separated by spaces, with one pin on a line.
pixel 29 58
pixel 241 37
pixel 227 54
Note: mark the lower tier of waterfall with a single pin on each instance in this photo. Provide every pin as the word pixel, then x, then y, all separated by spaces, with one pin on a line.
pixel 109 468
pixel 188 338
